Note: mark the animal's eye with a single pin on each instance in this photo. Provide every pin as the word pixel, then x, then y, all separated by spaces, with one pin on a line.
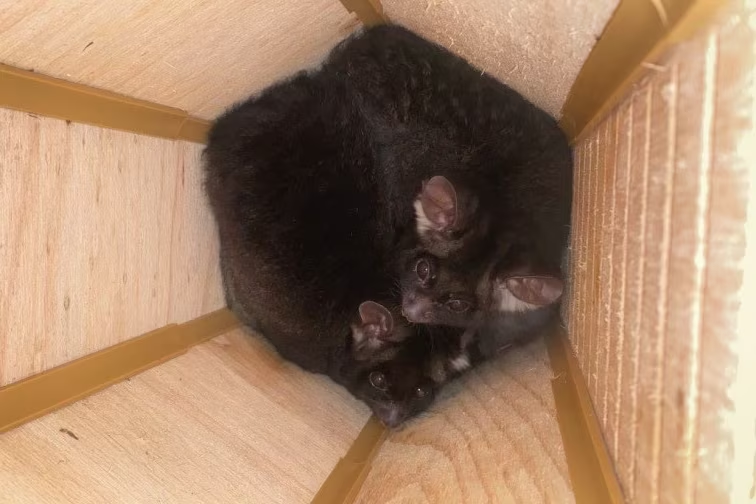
pixel 420 392
pixel 424 271
pixel 378 380
pixel 458 305
pixel 422 268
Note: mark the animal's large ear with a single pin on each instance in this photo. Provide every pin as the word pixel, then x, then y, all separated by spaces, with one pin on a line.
pixel 372 330
pixel 436 206
pixel 537 290
pixel 376 320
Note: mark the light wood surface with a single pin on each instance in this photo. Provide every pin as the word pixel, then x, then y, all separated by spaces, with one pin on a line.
pixel 536 46
pixel 195 284
pixel 492 437
pixel 662 191
pixel 43 393
pixel 226 422
pixel 194 55
pixel 104 237
pixel 203 56
pixel 594 479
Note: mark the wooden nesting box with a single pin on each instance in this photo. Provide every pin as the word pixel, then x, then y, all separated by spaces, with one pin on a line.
pixel 108 264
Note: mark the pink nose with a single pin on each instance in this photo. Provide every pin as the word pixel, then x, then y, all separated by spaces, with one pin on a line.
pixel 415 311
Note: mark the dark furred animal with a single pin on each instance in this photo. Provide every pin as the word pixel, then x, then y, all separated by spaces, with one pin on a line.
pixel 314 184
pixel 404 382
pixel 486 175
pixel 438 115
pixel 396 368
pixel 305 241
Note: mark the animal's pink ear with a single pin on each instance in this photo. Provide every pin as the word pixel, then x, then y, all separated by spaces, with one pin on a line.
pixel 438 204
pixel 377 322
pixel 372 331
pixel 539 290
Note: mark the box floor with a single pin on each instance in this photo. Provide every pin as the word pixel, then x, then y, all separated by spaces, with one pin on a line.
pixel 230 422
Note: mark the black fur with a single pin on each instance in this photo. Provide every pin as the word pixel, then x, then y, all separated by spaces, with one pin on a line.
pixel 478 131
pixel 289 179
pixel 305 238
pixel 417 370
pixel 312 183
pixel 438 115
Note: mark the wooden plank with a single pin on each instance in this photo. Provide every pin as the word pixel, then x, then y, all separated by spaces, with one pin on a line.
pixel 594 172
pixel 200 57
pixel 596 298
pixel 607 268
pixel 587 280
pixel 45 392
pixel 345 481
pixel 591 468
pixel 735 156
pixel 729 91
pixel 689 230
pixel 85 243
pixel 491 437
pixel 622 178
pixel 42 95
pixel 637 33
pixel 636 208
pixel 576 259
pixel 678 419
pixel 229 421
pixel 610 417
pixel 195 285
pixel 572 289
pixel 498 38
pixel 630 35
pixel 105 237
pixel 661 154
pixel 369 12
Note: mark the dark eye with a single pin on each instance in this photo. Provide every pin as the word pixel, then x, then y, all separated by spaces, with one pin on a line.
pixel 378 380
pixel 424 271
pixel 422 268
pixel 420 392
pixel 458 305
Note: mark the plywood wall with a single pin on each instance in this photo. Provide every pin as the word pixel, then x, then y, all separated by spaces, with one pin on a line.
pixel 490 437
pixel 194 55
pixel 104 236
pixel 203 56
pixel 536 46
pixel 658 308
pixel 227 422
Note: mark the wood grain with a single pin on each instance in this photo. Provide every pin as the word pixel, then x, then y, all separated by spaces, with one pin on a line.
pixel 195 272
pixel 728 339
pixel 729 438
pixel 606 267
pixel 579 263
pixel 492 437
pixel 658 219
pixel 87 245
pixel 623 347
pixel 193 55
pixel 672 390
pixel 570 306
pixel 597 261
pixel 615 294
pixel 636 207
pixel 536 46
pixel 227 422
pixel 686 275
pixel 591 230
pixel 592 473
